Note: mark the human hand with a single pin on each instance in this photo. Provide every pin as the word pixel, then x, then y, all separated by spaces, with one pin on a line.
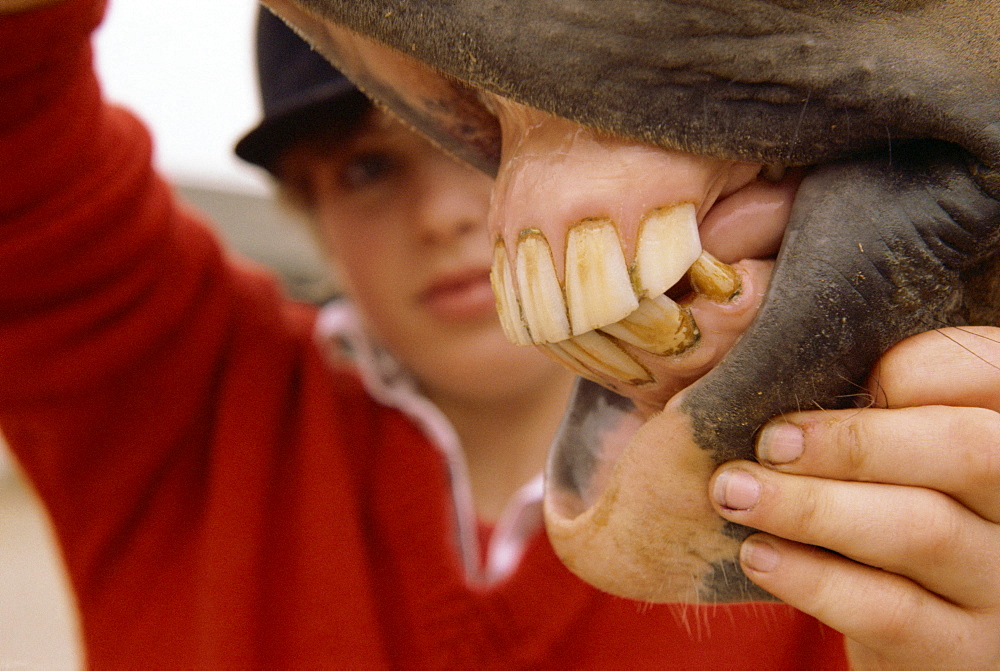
pixel 905 498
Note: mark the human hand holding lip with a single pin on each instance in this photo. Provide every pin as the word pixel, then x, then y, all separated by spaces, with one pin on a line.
pixel 904 495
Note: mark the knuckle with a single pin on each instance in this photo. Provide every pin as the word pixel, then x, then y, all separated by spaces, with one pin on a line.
pixel 938 528
pixel 896 622
pixel 854 443
pixel 978 434
pixel 807 513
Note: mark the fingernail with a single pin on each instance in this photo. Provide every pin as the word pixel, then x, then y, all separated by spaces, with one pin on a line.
pixel 736 490
pixel 759 556
pixel 780 443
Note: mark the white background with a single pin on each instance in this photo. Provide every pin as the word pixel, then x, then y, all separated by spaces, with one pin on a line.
pixel 187 68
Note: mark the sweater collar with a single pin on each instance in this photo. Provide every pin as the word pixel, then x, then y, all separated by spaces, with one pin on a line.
pixel 339 333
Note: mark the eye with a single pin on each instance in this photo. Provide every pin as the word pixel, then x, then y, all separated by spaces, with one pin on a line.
pixel 367 169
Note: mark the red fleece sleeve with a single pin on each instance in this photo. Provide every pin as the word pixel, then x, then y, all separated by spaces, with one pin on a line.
pixel 85 225
pixel 124 328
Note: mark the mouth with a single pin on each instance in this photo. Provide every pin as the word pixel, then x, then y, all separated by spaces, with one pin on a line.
pixel 598 257
pixel 600 260
pixel 591 231
pixel 460 296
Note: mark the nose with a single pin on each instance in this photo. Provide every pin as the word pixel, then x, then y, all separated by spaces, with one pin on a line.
pixel 453 203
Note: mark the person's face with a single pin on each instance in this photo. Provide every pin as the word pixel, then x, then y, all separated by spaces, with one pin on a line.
pixel 405 227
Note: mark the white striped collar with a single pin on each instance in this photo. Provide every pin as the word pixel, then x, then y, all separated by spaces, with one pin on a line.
pixel 339 332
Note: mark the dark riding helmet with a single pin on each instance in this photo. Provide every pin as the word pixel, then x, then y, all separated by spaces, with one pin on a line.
pixel 301 94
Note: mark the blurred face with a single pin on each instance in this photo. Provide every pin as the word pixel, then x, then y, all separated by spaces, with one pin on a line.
pixel 405 227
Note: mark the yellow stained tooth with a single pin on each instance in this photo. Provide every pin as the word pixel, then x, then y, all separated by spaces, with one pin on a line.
pixel 602 356
pixel 555 351
pixel 598 287
pixel 508 307
pixel 542 302
pixel 658 325
pixel 668 244
pixel 714 279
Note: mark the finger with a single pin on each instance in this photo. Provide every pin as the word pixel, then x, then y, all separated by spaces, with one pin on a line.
pixel 952 450
pixel 891 617
pixel 950 366
pixel 910 531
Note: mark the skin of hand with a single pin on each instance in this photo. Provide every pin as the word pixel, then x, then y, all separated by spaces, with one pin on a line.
pixel 884 522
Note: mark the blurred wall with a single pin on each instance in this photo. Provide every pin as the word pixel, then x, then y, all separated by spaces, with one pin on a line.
pixel 187 67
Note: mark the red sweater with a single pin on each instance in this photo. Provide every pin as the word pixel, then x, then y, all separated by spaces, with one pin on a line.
pixel 222 497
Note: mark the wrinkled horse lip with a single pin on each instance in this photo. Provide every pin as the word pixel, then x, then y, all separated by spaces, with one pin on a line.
pixel 777 104
pixel 744 108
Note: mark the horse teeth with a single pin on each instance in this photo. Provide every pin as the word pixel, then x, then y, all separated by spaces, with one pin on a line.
pixel 601 291
pixel 668 244
pixel 659 326
pixel 557 352
pixel 714 279
pixel 604 358
pixel 508 307
pixel 542 302
pixel 598 287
